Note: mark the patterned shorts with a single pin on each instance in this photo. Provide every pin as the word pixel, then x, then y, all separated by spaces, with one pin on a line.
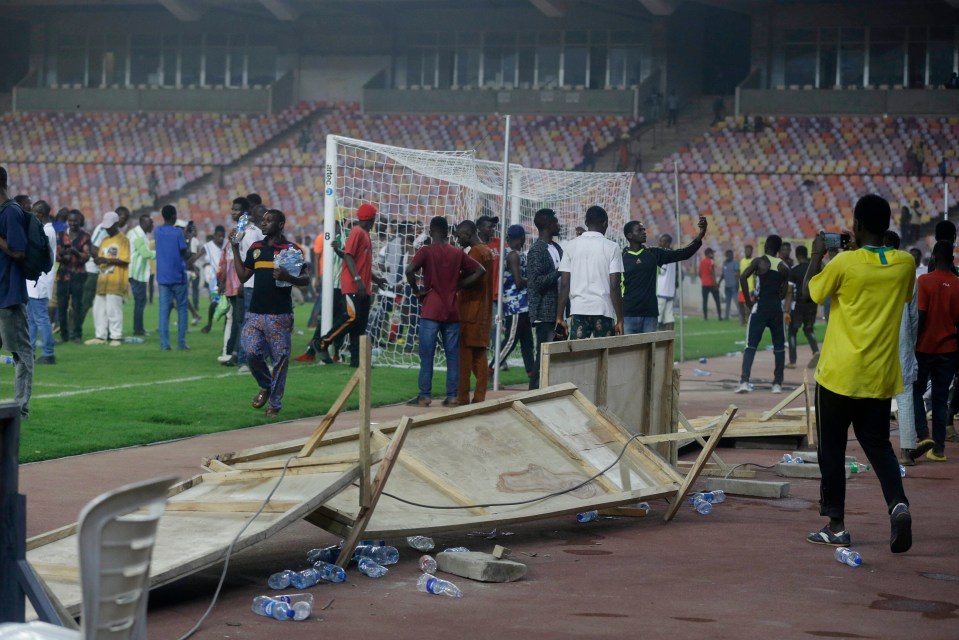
pixel 581 327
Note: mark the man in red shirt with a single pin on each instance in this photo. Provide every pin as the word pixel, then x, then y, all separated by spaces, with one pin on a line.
pixel 445 269
pixel 937 345
pixel 356 282
pixel 707 277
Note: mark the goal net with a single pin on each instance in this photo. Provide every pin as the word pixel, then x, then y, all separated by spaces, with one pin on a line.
pixel 411 186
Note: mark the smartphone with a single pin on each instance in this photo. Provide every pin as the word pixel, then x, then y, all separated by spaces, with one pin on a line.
pixel 837 240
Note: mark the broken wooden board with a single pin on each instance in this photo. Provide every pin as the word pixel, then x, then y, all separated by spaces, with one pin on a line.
pixel 749 425
pixel 479 461
pixel 629 376
pixel 202 517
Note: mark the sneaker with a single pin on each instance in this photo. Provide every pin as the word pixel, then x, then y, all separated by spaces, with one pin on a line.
pixel 906 457
pixel 223 359
pixel 777 388
pixel 306 357
pixel 115 343
pixel 922 447
pixel 825 536
pixel 900 540
pixel 94 341
pixel 743 387
pixel 419 401
pixel 324 356
pixel 452 402
pixel 937 456
pixel 790 365
pixel 243 369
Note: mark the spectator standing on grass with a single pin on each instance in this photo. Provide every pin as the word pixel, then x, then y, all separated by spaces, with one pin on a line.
pixel 707 279
pixel 729 278
pixel 39 292
pixel 171 256
pixel 14 337
pixel 268 329
pixel 743 265
pixel 73 250
pixel 252 234
pixel 767 311
pixel 516 303
pixel 591 271
pixel 232 288
pixel 340 237
pixel 141 255
pixel 475 308
pixel 93 270
pixel 804 311
pixel 640 267
pixel 858 371
pixel 542 283
pixel 212 251
pixel 486 230
pixel 937 346
pixel 446 269
pixel 113 259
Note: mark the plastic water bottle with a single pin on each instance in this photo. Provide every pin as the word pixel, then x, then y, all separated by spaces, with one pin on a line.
pixel 270 608
pixel 280 580
pixel 587 516
pixel 380 554
pixel 715 497
pixel 701 373
pixel 6 359
pixel 431 584
pixel 702 360
pixel 846 555
pixel 902 471
pixel 330 572
pixel 855 467
pixel 134 340
pixel 369 543
pixel 456 550
pixel 305 579
pixel 420 543
pixel 702 506
pixel 301 603
pixel 644 505
pixel 427 564
pixel 241 224
pixel 372 569
pixel 788 459
pixel 326 554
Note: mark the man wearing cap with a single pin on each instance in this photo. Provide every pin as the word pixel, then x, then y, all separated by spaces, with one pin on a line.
pixel 356 284
pixel 516 303
pixel 113 261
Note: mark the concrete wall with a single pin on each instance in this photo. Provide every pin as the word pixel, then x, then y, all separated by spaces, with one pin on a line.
pixel 863 101
pixel 513 101
pixel 225 100
pixel 337 78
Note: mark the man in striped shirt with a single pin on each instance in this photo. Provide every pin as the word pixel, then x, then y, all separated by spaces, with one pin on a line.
pixel 140 256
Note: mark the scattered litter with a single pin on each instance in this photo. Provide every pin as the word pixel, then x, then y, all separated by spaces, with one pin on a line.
pixel 741 343
pixel 427 564
pixel 326 554
pixel 847 556
pixel 489 535
pixel 280 580
pixel 372 569
pixel 769 347
pixel 902 471
pixel 587 516
pixel 456 550
pixel 702 360
pixel 855 467
pixel 381 554
pixel 500 552
pixel 788 459
pixel 527 553
pixel 422 543
pixel 293 607
pixel 701 373
pixel 431 584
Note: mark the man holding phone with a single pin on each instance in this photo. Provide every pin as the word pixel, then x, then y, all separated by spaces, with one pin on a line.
pixel 859 371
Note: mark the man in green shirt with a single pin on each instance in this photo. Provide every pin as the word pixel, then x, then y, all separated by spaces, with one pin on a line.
pixel 140 256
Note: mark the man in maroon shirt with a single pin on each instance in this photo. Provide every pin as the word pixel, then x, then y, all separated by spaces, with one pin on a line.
pixel 937 345
pixel 445 269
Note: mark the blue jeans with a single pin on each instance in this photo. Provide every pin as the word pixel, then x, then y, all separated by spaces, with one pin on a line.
pixel 449 332
pixel 639 324
pixel 38 320
pixel 169 292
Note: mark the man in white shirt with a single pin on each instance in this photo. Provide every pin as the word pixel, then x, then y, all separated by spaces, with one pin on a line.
pixel 39 292
pixel 666 287
pixel 590 274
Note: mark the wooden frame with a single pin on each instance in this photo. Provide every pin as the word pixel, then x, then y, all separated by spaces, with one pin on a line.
pixel 631 377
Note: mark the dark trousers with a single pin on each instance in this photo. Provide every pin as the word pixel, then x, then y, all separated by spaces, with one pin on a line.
pixel 139 290
pixel 804 315
pixel 545 332
pixel 731 299
pixel 339 308
pixel 758 321
pixel 351 322
pixel 940 368
pixel 714 292
pixel 517 329
pixel 70 306
pixel 89 293
pixel 870 422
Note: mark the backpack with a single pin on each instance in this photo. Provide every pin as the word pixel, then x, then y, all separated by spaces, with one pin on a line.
pixel 36 260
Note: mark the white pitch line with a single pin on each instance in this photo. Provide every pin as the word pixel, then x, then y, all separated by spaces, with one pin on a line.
pixel 133 385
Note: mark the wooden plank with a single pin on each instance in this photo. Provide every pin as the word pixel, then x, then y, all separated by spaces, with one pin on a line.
pixel 57 572
pixel 785 402
pixel 51 536
pixel 693 474
pixel 700 440
pixel 490 406
pixel 602 382
pixel 247 476
pixel 366 368
pixel 314 440
pixel 382 475
pixel 716 470
pixel 258 453
pixel 212 464
pixel 231 506
pixel 613 342
pixel 624 512
pixel 533 420
pixel 312 461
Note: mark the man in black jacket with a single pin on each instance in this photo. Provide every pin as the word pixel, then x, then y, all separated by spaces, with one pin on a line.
pixel 640 266
pixel 542 267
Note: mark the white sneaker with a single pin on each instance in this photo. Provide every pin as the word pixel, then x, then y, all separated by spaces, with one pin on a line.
pixel 743 387
pixel 777 388
pixel 224 358
pixel 243 369
pixel 115 343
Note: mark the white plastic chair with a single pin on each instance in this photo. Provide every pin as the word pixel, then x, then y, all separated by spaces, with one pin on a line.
pixel 116 533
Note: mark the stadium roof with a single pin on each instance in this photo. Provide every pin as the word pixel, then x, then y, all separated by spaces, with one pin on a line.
pixel 290 10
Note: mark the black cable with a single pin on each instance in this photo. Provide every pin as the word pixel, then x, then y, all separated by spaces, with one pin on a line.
pixel 748 464
pixel 519 502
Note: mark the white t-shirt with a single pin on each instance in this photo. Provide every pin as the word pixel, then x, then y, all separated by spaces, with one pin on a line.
pixel 250 235
pixel 666 281
pixel 99 233
pixel 211 262
pixel 589 260
pixel 43 287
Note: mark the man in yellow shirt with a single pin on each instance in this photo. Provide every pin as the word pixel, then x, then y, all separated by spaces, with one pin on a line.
pixel 113 259
pixel 858 371
pixel 743 265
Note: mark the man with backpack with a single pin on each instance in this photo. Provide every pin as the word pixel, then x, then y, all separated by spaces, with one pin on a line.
pixel 13 295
